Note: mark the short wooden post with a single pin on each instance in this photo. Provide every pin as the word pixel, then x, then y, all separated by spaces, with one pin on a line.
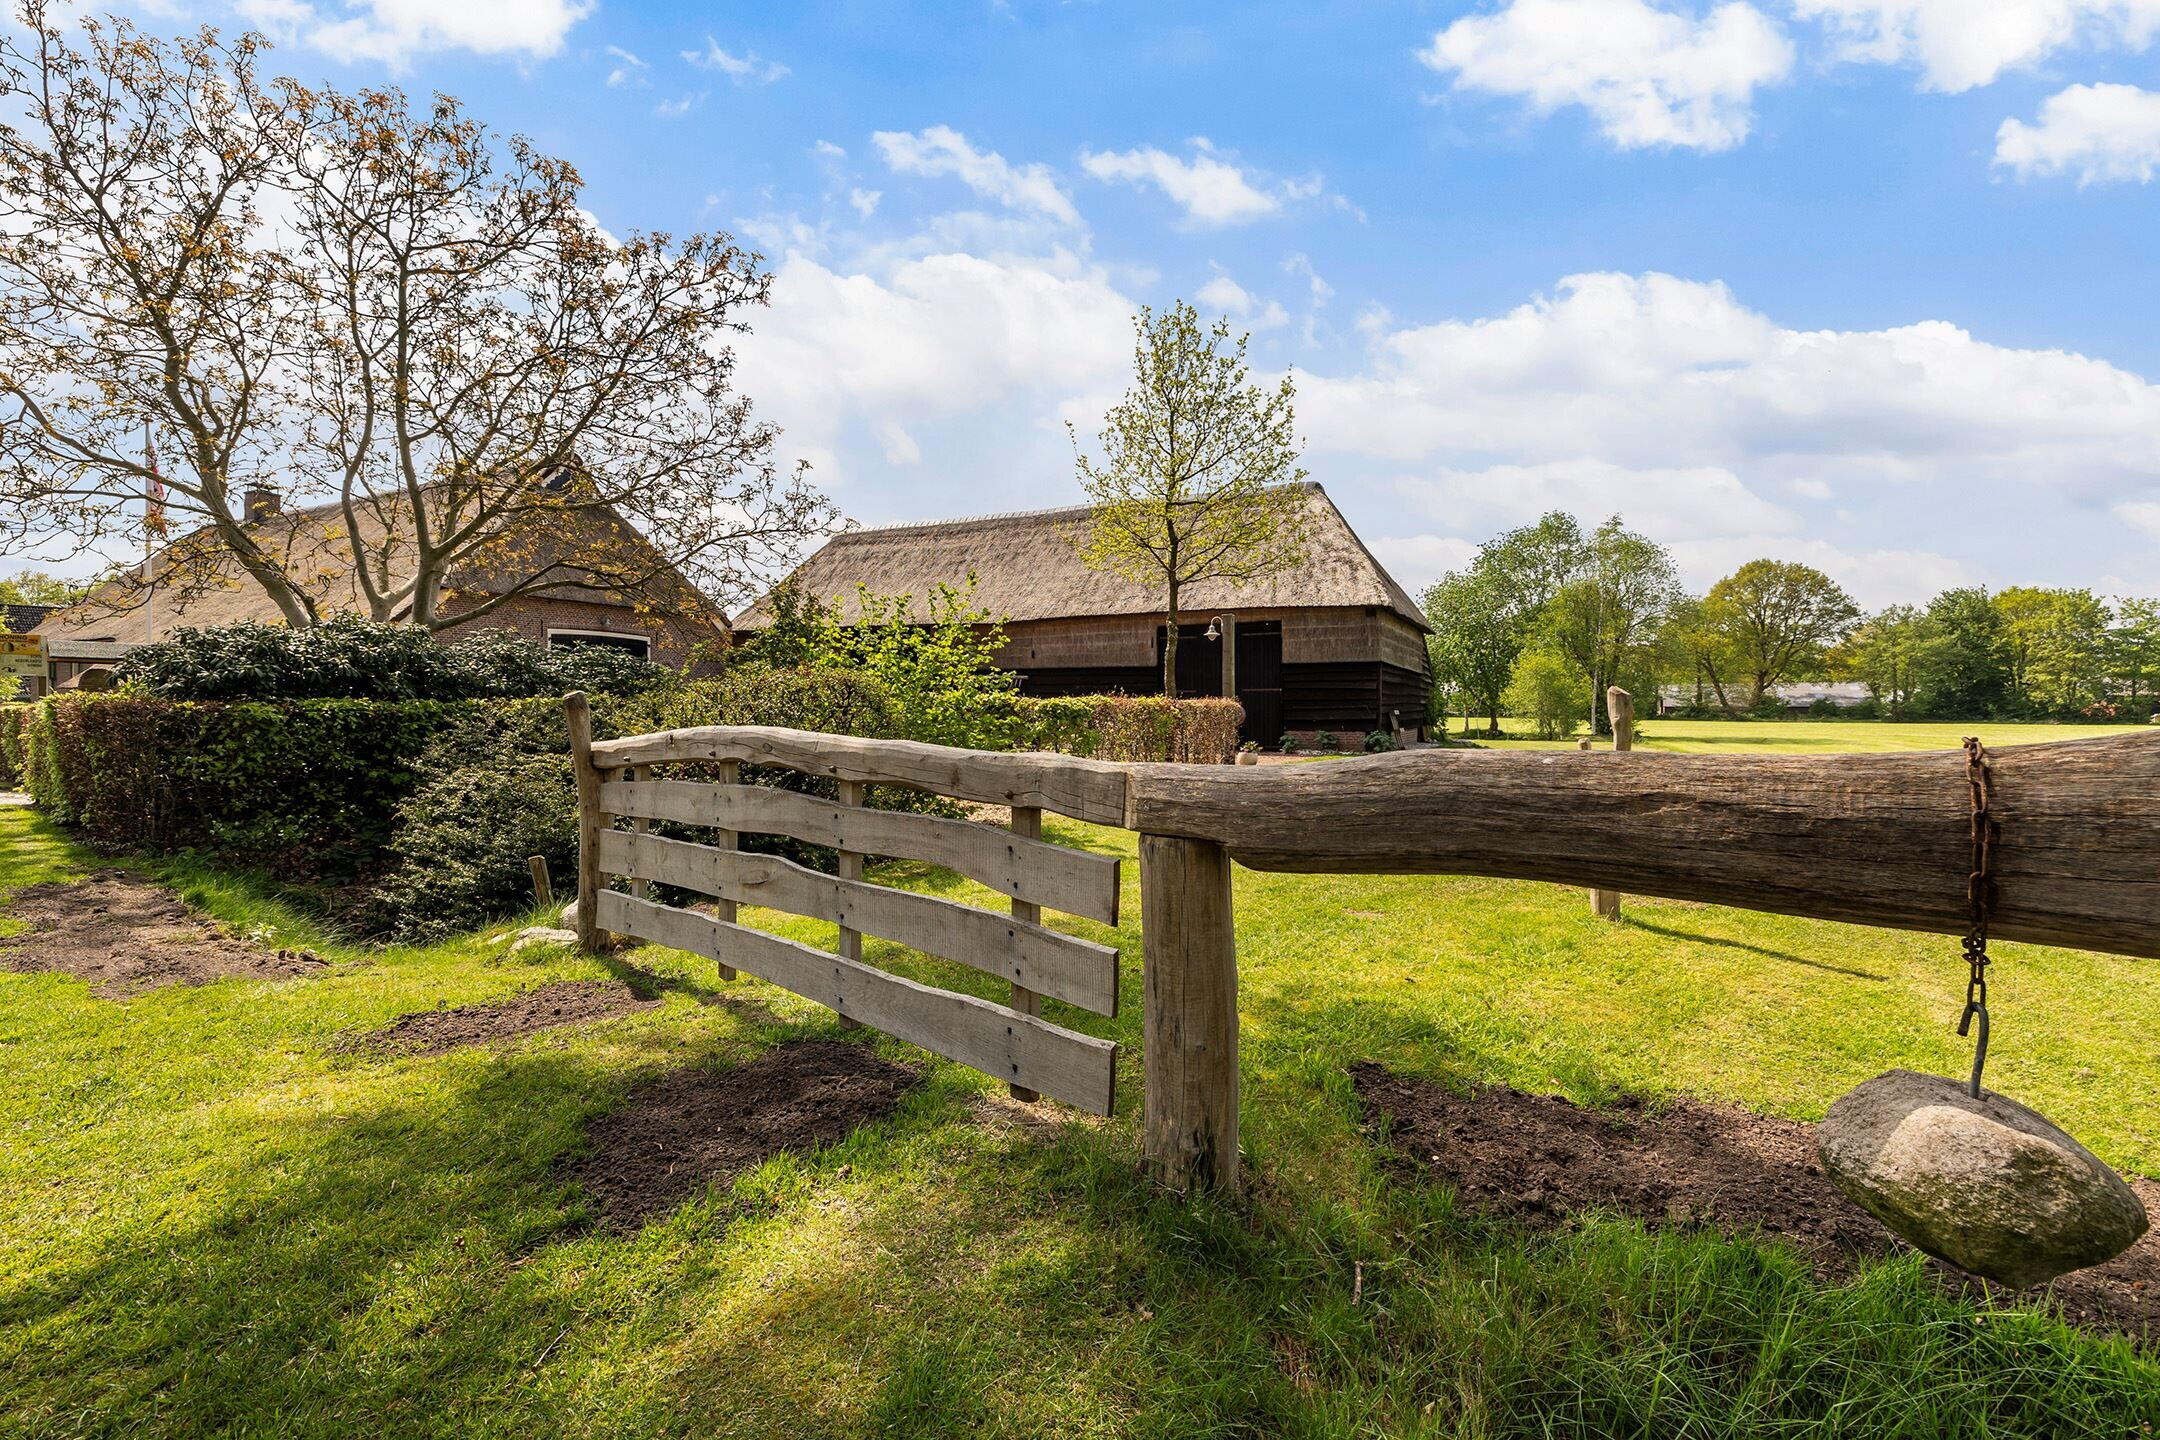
pixel 577 716
pixel 1190 1026
pixel 1620 710
pixel 730 774
pixel 543 891
pixel 852 792
pixel 1027 824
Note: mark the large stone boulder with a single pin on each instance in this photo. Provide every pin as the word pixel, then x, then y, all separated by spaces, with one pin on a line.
pixel 1985 1184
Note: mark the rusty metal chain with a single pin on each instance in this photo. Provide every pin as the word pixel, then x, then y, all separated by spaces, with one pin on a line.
pixel 1979 898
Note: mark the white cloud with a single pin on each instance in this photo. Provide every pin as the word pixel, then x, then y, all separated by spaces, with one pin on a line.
pixel 1960 44
pixel 850 360
pixel 1648 76
pixel 1227 296
pixel 864 201
pixel 628 68
pixel 1669 402
pixel 2096 132
pixel 2143 514
pixel 744 69
pixel 942 150
pixel 676 109
pixel 393 32
pixel 1301 265
pixel 1210 188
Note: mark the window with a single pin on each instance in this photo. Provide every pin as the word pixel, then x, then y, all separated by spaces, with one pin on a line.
pixel 637 645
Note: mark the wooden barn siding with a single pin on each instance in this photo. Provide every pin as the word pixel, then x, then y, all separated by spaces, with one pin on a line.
pixel 1351 697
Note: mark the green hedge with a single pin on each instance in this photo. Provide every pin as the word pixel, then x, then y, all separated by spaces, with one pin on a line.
pixel 14 721
pixel 1130 727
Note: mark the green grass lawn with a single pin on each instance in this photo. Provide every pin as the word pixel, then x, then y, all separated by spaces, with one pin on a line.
pixel 212 1223
pixel 1798 736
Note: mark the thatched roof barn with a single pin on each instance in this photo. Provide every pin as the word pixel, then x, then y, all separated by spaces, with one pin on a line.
pixel 1337 645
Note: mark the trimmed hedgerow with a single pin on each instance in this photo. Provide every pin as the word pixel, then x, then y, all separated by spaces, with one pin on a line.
pixel 353 659
pixel 14 725
pixel 1131 727
pixel 302 787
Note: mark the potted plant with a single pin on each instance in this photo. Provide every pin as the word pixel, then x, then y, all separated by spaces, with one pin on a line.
pixel 1249 753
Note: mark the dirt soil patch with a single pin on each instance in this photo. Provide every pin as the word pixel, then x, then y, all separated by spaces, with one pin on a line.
pixel 1541 1159
pixel 126 934
pixel 565 1002
pixel 696 1128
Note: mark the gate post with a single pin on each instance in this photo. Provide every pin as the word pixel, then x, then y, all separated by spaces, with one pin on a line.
pixel 577 717
pixel 1190 1022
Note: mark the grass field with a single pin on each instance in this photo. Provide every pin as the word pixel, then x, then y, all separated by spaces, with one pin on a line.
pixel 1799 736
pixel 211 1223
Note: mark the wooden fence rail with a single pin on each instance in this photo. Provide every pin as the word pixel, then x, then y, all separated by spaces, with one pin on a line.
pixel 1875 839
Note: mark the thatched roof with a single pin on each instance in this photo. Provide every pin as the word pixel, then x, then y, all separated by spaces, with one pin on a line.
pixel 315 548
pixel 1027 567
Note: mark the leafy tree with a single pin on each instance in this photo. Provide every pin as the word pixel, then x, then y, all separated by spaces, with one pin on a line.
pixel 1605 616
pixel 1778 619
pixel 2133 650
pixel 1963 671
pixel 36 587
pixel 1547 688
pixel 434 339
pixel 1886 652
pixel 1692 644
pixel 1478 632
pixel 2055 645
pixel 1197 477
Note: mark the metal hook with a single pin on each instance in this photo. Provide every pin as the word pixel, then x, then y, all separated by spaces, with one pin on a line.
pixel 1979 1008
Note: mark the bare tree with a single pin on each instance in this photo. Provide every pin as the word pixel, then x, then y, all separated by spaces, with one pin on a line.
pixel 416 325
pixel 133 296
pixel 1197 477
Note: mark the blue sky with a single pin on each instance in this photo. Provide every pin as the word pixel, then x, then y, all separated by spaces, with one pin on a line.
pixel 1863 282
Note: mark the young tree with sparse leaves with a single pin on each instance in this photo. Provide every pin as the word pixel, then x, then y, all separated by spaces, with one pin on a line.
pixel 387 311
pixel 1198 469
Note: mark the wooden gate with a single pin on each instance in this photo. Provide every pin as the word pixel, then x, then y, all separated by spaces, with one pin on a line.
pixel 617 781
pixel 1880 839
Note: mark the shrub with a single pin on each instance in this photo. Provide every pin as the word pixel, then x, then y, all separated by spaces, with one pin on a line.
pixel 1327 742
pixel 465 836
pixel 1289 744
pixel 1131 727
pixel 14 728
pixel 1379 742
pixel 353 659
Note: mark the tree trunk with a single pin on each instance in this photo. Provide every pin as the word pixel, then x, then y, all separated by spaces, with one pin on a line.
pixel 1170 639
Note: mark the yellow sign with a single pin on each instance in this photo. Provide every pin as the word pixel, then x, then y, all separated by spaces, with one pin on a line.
pixel 22 657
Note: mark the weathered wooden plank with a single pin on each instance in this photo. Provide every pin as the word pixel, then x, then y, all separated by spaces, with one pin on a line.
pixel 727 839
pixel 1879 839
pixel 1049 962
pixel 1018 867
pixel 1190 1102
pixel 1620 712
pixel 1091 790
pixel 1079 1069
pixel 1027 824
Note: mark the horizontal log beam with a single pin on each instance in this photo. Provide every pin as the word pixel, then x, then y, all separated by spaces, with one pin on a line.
pixel 1092 790
pixel 1050 962
pixel 1056 876
pixel 1877 839
pixel 1023 1050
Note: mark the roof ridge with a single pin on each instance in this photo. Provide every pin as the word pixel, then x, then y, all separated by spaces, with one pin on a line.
pixel 1042 514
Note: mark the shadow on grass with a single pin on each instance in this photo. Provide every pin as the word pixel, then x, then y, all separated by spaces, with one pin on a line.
pixel 1724 943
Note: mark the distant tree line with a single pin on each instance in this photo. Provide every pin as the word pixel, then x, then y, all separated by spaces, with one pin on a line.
pixel 1548 615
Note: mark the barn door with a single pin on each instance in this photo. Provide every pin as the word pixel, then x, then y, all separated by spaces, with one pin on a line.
pixel 1259 680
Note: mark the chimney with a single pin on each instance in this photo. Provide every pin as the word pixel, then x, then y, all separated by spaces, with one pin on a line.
pixel 258 503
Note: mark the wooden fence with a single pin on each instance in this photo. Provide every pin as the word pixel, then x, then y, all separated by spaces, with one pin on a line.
pixel 1875 839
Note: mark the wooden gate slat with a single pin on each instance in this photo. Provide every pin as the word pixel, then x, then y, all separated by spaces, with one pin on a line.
pixel 1020 868
pixel 1080 1070
pixel 1032 956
